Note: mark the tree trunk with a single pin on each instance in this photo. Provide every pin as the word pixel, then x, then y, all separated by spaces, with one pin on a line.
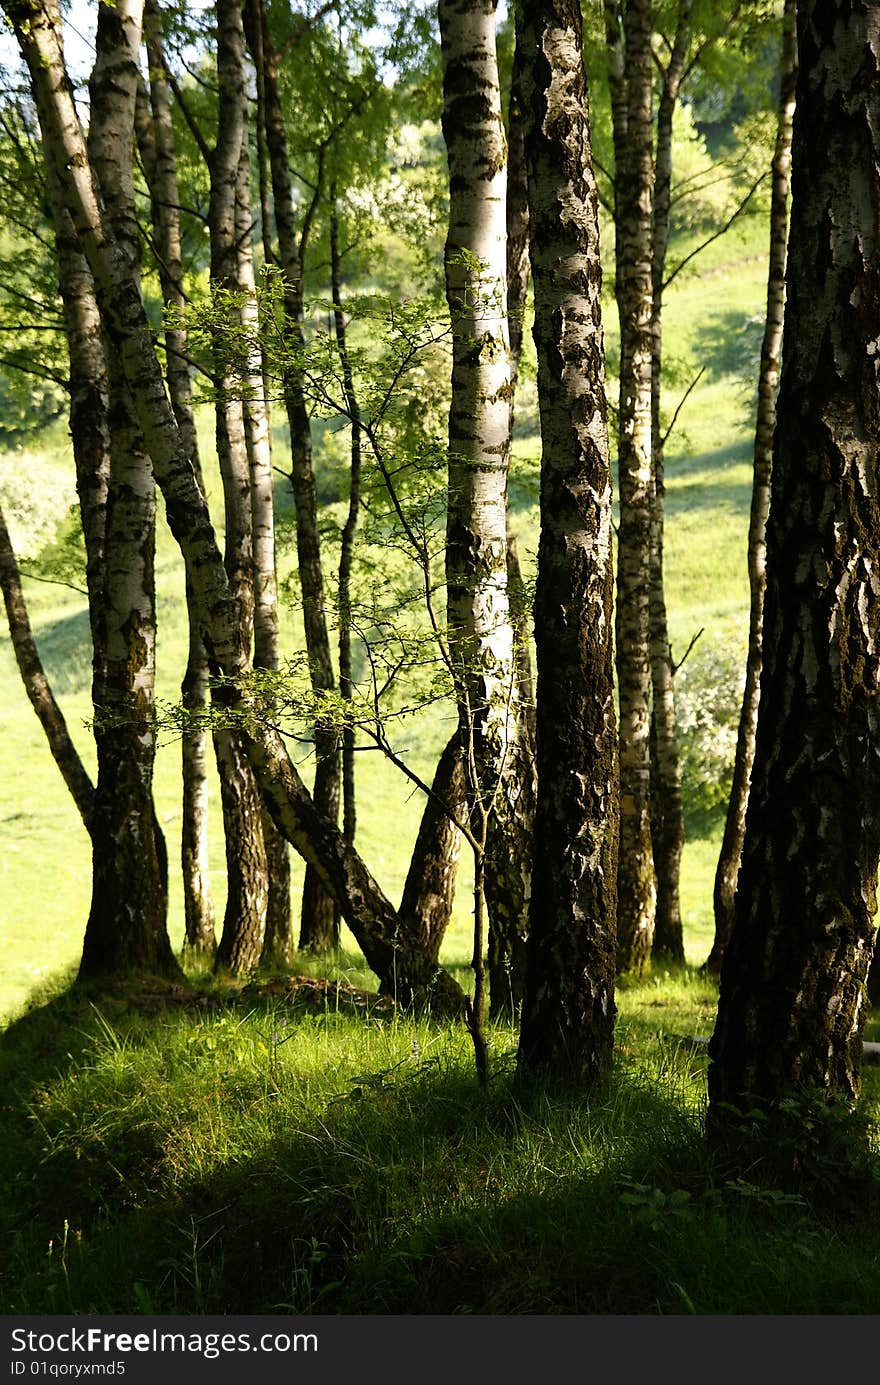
pixel 37 685
pixel 346 547
pixel 667 810
pixel 568 1014
pixel 126 928
pixel 792 1001
pixel 509 855
pixel 633 152
pixel 735 822
pixel 156 140
pixel 478 612
pixel 319 930
pixel 429 891
pixel 244 922
pixel 278 946
pixel 404 970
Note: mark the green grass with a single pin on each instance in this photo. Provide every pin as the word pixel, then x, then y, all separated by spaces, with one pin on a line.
pixel 163 1156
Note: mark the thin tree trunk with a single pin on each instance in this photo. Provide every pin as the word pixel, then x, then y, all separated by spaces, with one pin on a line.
pixel 667 809
pixel 568 1013
pixel 478 611
pixel 126 928
pixel 37 685
pixel 509 859
pixel 278 945
pixel 319 931
pixel 792 999
pixel 156 140
pixel 633 148
pixel 404 969
pixel 768 379
pixel 346 547
pixel 244 922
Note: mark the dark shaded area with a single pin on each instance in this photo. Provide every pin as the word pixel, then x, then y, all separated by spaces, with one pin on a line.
pixel 66 651
pixel 409 1190
pixel 728 342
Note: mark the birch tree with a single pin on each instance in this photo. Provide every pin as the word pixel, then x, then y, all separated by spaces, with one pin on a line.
pixel 156 142
pixel 478 610
pixel 768 380
pixel 126 927
pixel 667 811
pixel 629 36
pixel 319 929
pixel 568 1012
pixel 792 999
pixel 244 922
pixel 278 943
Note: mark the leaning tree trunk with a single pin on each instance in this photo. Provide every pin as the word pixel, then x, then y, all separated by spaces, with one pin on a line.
pixel 735 822
pixel 319 931
pixel 429 889
pixel 568 1014
pixel 37 685
pixel 278 946
pixel 667 809
pixel 404 969
pixel 792 1000
pixel 244 922
pixel 156 141
pixel 126 928
pixel 478 612
pixel 633 151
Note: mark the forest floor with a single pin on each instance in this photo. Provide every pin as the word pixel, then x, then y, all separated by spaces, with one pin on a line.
pixel 299 1148
pixel 303 1149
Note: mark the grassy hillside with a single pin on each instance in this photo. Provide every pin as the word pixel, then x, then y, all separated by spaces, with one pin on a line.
pixel 44 872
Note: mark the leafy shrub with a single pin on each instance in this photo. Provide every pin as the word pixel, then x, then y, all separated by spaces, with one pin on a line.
pixel 709 689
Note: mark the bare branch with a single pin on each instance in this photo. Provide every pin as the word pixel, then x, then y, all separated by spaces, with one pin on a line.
pixel 720 232
pixel 681 403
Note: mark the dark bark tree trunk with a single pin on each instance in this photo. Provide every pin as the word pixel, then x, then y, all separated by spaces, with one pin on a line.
pixel 155 131
pixel 667 810
pixel 126 928
pixel 568 1013
pixel 404 969
pixel 319 930
pixel 37 685
pixel 633 152
pixel 792 1001
pixel 768 379
pixel 244 922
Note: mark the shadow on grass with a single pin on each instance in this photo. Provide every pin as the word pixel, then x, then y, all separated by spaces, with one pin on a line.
pixel 173 1151
pixel 728 342
pixel 688 488
pixel 66 652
